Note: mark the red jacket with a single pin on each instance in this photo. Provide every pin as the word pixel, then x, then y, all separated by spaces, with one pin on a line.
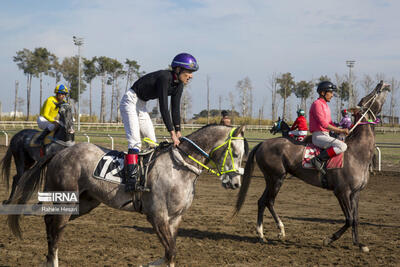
pixel 300 124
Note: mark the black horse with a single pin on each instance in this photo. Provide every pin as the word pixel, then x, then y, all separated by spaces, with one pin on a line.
pixel 25 155
pixel 280 126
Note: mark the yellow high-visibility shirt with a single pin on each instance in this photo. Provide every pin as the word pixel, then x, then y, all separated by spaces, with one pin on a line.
pixel 49 109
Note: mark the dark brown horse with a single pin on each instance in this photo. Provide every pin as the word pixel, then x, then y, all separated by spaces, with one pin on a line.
pixel 25 155
pixel 281 156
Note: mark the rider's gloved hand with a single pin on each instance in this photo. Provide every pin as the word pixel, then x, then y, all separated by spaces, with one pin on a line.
pixel 175 138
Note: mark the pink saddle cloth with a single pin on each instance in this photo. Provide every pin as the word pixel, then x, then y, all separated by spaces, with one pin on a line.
pixel 311 151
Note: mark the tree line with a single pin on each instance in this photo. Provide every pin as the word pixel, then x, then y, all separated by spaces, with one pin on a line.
pixel 41 62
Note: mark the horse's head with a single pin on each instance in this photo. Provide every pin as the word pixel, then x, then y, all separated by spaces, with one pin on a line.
pixel 279 126
pixel 372 103
pixel 228 157
pixel 66 130
pixel 276 127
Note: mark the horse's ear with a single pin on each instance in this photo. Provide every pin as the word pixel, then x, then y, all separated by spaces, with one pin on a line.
pixel 239 130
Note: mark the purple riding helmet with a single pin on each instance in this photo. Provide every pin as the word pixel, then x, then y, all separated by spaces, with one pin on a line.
pixel 186 61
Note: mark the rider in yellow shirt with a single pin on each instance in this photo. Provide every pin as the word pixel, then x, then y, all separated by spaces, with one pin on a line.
pixel 49 111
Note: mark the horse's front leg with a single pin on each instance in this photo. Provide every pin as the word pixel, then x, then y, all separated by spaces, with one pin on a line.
pixel 167 237
pixel 345 204
pixel 354 203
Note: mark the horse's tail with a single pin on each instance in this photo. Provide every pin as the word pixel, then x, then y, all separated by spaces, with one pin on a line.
pixel 5 167
pixel 248 170
pixel 28 184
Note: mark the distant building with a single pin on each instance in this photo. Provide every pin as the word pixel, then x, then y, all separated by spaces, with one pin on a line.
pixel 18 114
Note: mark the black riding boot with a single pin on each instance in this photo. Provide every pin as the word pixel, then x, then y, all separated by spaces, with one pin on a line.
pixel 319 161
pixel 131 171
pixel 40 139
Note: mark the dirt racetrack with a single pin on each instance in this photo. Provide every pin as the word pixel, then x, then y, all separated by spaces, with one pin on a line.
pixel 109 237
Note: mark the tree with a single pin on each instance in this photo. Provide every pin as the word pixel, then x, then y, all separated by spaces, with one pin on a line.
pixel 25 62
pixel 103 67
pixel 367 83
pixel 114 70
pixel 339 79
pixel 323 78
pixel 132 72
pixel 69 69
pixel 186 104
pixel 16 98
pixel 303 90
pixel 244 87
pixel 273 86
pixel 286 86
pixel 55 70
pixel 90 72
pixel 232 102
pixel 43 63
pixel 394 86
pixel 343 92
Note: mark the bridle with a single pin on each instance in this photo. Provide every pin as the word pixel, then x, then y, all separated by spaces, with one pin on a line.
pixel 368 110
pixel 215 170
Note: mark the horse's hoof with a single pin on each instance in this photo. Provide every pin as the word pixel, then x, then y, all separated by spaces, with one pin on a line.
pixel 327 241
pixel 262 240
pixel 364 249
pixel 281 236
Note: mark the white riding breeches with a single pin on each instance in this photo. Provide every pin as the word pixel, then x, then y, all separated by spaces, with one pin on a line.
pixel 136 120
pixel 323 140
pixel 43 123
pixel 298 133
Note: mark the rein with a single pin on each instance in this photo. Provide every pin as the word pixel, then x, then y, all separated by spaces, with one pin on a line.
pixel 217 171
pixel 365 113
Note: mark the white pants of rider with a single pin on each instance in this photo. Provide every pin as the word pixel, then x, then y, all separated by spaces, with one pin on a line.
pixel 297 132
pixel 323 140
pixel 136 119
pixel 43 123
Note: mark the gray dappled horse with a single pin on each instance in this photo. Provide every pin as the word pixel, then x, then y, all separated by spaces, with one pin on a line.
pixel 26 155
pixel 171 179
pixel 279 156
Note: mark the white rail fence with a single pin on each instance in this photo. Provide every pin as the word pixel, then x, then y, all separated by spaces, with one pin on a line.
pixel 91 126
pixel 378 146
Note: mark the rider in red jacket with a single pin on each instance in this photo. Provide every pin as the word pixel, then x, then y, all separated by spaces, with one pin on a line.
pixel 299 128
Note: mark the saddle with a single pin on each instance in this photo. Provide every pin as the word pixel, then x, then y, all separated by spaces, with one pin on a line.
pixel 111 165
pixel 46 142
pixel 46 139
pixel 311 151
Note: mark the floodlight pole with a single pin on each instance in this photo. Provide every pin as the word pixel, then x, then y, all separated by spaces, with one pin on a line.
pixel 78 41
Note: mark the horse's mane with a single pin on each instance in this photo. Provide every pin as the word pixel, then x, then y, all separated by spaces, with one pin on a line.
pixel 206 126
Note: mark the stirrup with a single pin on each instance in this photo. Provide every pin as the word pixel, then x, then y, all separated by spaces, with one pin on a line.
pixel 319 165
pixel 141 188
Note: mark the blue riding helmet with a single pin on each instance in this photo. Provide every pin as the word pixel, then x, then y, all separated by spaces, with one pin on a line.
pixel 61 89
pixel 185 61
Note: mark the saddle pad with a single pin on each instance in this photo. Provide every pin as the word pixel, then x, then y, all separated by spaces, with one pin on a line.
pixel 46 140
pixel 311 151
pixel 110 167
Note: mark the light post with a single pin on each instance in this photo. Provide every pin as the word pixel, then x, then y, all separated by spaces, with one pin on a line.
pixel 350 64
pixel 78 41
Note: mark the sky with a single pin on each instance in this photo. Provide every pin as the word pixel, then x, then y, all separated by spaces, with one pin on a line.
pixel 231 40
